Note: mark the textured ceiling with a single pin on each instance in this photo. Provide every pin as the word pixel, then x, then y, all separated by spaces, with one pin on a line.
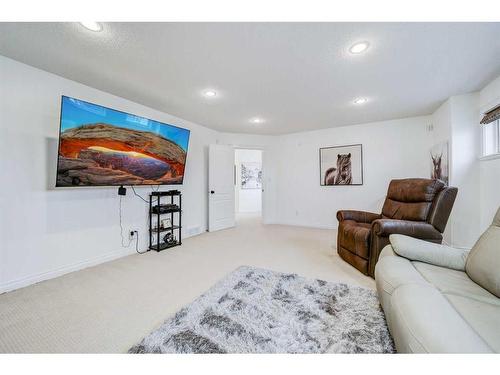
pixel 297 76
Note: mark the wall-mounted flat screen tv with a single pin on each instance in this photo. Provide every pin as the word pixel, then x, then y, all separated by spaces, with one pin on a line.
pixel 99 146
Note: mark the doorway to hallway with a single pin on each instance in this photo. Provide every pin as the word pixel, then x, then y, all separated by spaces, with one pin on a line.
pixel 248 182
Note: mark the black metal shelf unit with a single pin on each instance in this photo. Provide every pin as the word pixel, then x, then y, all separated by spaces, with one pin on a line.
pixel 156 211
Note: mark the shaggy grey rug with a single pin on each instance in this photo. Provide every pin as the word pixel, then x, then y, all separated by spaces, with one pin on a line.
pixel 254 310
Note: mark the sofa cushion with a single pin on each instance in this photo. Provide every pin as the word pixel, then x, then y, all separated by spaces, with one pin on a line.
pixel 483 317
pixel 454 282
pixel 483 263
pixel 424 321
pixel 428 252
pixel 355 237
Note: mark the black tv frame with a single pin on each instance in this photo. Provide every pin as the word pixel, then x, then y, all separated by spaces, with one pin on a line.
pixel 127 113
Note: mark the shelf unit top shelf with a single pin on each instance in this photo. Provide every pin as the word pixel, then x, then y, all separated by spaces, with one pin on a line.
pixel 165 193
pixel 173 227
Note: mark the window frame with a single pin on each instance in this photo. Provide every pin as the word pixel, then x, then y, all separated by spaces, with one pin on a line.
pixel 496 153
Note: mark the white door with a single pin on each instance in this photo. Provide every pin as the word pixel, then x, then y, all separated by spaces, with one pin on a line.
pixel 220 187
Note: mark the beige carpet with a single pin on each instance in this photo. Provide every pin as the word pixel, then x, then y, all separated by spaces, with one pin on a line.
pixel 110 307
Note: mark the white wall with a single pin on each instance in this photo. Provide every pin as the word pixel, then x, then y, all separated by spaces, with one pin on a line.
pixel 247 200
pixel 391 149
pixel 489 170
pixel 441 126
pixel 490 186
pixel 465 146
pixel 456 121
pixel 47 232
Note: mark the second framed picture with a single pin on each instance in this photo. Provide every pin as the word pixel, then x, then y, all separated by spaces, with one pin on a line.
pixel 341 165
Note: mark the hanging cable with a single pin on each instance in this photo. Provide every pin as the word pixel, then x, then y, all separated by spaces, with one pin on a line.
pixel 121 226
pixel 123 240
pixel 130 239
pixel 137 244
pixel 140 197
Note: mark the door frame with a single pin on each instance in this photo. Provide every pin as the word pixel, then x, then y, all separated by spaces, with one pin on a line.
pixel 262 149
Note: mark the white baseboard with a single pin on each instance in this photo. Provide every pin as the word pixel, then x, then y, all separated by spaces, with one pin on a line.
pixel 301 224
pixel 36 278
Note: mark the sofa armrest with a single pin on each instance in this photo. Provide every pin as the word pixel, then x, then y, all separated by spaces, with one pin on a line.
pixel 427 252
pixel 417 229
pixel 358 216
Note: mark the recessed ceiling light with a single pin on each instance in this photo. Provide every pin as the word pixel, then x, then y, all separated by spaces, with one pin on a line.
pixel 92 26
pixel 359 47
pixel 257 120
pixel 360 101
pixel 210 93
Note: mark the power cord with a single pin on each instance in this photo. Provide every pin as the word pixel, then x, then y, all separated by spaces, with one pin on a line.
pixel 121 225
pixel 138 196
pixel 137 243
pixel 131 233
pixel 141 198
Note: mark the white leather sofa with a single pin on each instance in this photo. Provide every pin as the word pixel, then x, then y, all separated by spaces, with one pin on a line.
pixel 438 299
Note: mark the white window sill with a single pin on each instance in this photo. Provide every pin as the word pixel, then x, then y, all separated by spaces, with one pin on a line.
pixel 490 157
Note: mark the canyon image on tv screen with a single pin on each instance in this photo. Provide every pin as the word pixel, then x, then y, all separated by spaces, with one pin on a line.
pixel 99 146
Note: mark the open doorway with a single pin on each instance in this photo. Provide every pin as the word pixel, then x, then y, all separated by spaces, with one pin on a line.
pixel 248 184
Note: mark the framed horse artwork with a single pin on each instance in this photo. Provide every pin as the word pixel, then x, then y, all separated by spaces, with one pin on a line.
pixel 341 165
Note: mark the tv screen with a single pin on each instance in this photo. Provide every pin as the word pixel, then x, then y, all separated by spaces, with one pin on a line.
pixel 99 146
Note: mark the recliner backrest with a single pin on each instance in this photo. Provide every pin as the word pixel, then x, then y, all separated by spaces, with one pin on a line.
pixel 411 198
pixel 441 208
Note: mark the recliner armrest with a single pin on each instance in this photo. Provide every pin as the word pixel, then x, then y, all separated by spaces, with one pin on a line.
pixel 427 252
pixel 358 216
pixel 417 229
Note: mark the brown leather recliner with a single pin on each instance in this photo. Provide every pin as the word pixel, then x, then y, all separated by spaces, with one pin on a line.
pixel 416 207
